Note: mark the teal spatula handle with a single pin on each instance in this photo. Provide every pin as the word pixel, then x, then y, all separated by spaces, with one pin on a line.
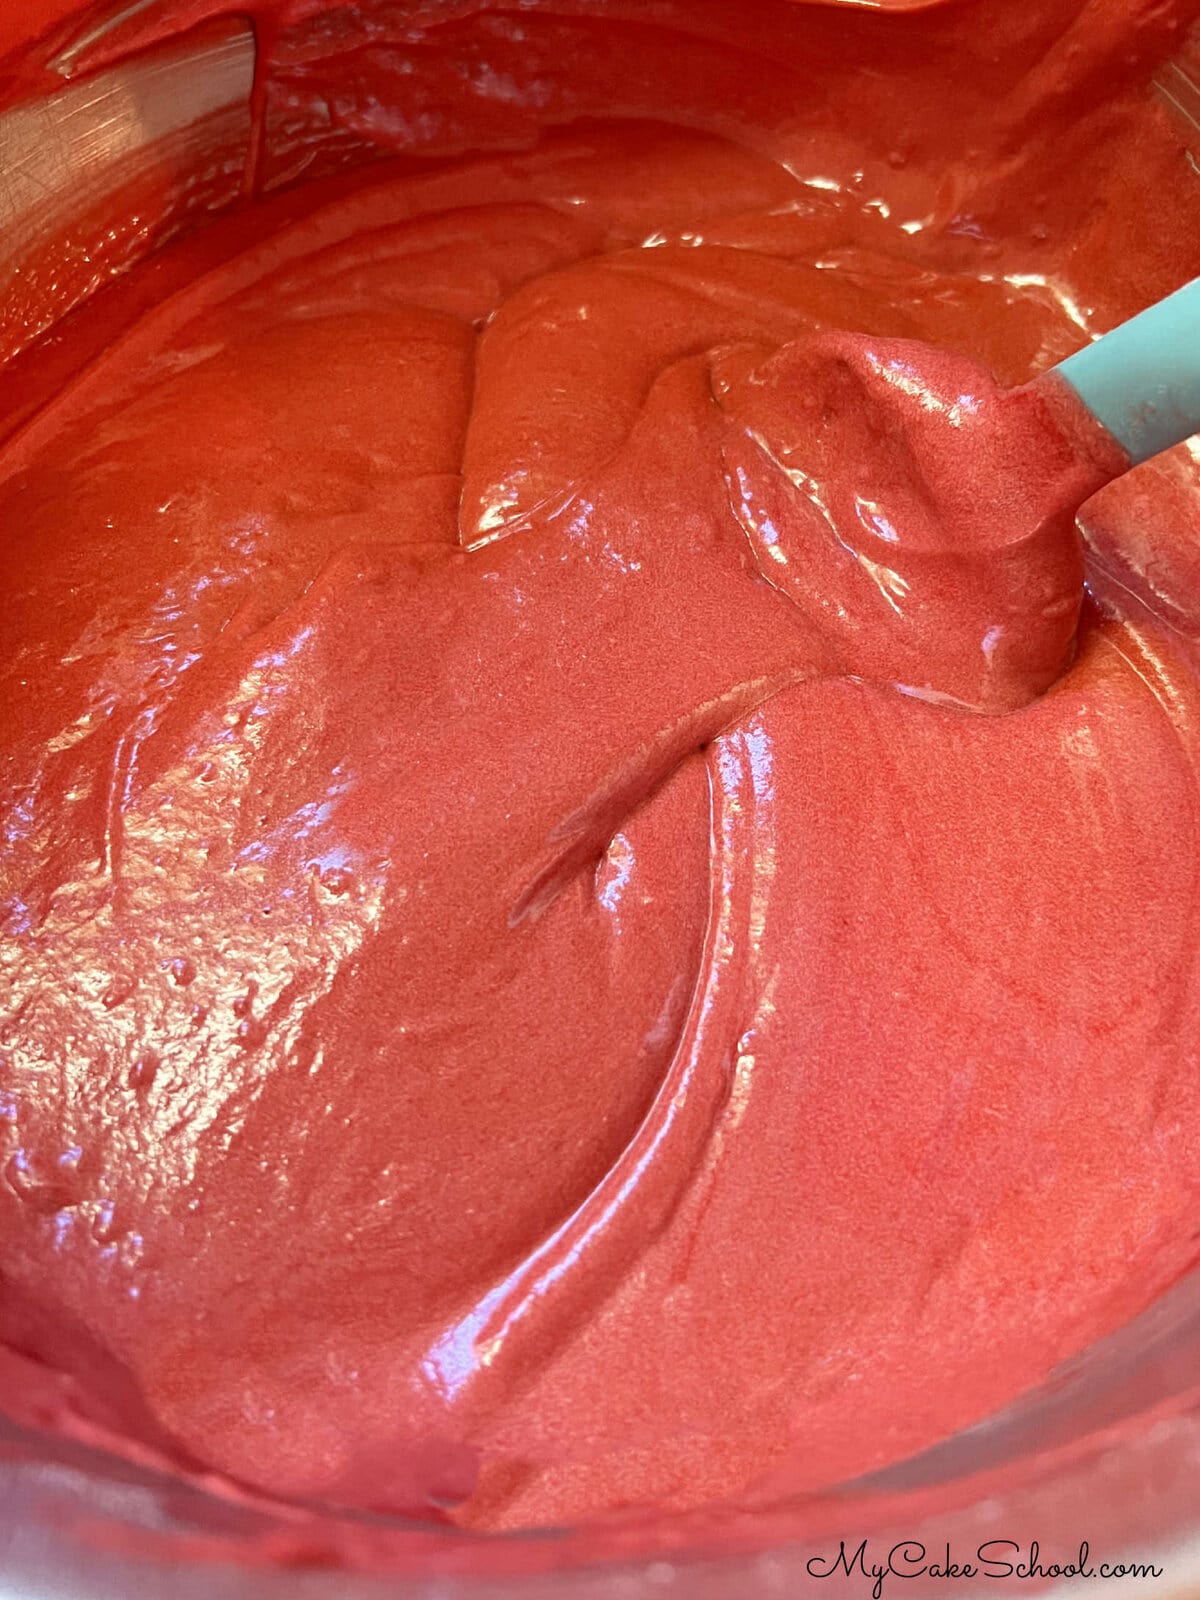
pixel 1142 380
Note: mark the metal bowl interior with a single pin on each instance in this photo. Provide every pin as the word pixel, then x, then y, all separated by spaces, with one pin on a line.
pixel 1107 1450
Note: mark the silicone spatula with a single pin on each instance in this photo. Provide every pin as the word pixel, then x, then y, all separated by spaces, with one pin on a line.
pixel 1142 380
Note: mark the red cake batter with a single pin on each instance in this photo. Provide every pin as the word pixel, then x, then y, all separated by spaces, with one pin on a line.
pixel 595 916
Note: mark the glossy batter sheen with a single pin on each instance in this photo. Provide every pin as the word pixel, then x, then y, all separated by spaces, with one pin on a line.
pixel 595 919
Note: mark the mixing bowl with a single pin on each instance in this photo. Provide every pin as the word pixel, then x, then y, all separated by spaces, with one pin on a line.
pixel 99 167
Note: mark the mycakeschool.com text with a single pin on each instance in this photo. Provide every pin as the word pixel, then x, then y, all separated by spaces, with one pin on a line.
pixel 1002 1560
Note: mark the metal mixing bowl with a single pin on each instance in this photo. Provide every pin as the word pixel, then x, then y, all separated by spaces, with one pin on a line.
pixel 1107 1451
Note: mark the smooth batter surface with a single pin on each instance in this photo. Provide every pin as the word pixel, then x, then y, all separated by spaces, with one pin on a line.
pixel 594 917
